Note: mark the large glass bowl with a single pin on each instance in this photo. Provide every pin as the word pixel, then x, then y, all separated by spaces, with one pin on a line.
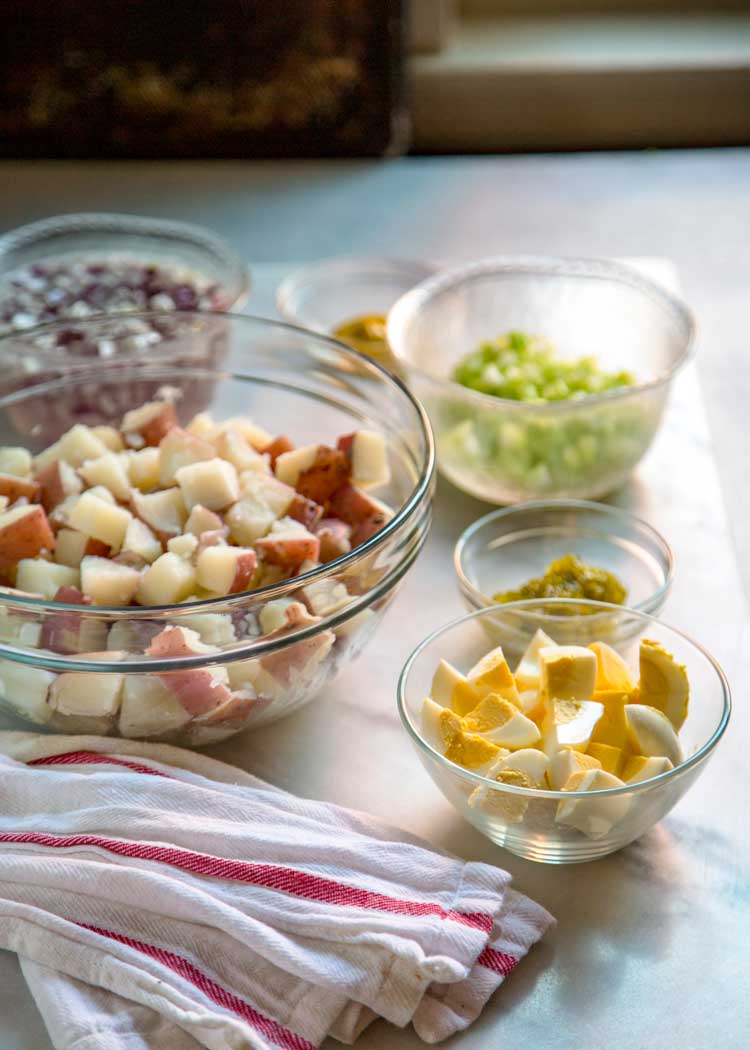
pixel 507 451
pixel 523 820
pixel 290 381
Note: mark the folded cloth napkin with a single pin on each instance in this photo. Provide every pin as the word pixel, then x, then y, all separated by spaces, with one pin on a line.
pixel 160 899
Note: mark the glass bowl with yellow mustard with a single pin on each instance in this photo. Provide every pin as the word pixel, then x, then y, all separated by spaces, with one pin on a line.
pixel 562 753
pixel 563 549
pixel 349 298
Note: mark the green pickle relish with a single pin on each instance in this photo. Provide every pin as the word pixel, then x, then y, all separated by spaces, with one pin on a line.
pixel 569 577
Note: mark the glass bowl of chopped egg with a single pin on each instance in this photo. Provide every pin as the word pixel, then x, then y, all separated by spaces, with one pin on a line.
pixel 180 576
pixel 542 377
pixel 563 753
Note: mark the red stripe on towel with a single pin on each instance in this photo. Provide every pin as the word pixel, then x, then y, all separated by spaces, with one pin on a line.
pixel 85 758
pixel 270 876
pixel 497 961
pixel 272 1030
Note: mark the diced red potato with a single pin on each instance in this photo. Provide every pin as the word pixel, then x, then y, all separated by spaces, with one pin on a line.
pixel 140 541
pixel 201 519
pixel 79 444
pixel 298 659
pixel 226 570
pixel 316 471
pixel 72 547
pixel 110 437
pixel 149 708
pixel 69 632
pixel 43 459
pixel 251 432
pixel 368 458
pixel 59 518
pixel 87 693
pixel 198 690
pixel 212 484
pixel 24 533
pixel 132 636
pixel 143 468
pixel 109 470
pixel 185 546
pixel 212 538
pixel 267 490
pixel 27 689
pixel 14 488
pixel 15 460
pixel 104 521
pixel 326 597
pixel 57 482
pixel 305 511
pixel 44 577
pixel 178 641
pixel 214 629
pixel 109 582
pixel 282 615
pixel 168 581
pixel 179 448
pixel 148 424
pixel 202 426
pixel 363 512
pixel 248 520
pixel 278 447
pixel 288 547
pixel 335 539
pixel 163 511
pixel 232 446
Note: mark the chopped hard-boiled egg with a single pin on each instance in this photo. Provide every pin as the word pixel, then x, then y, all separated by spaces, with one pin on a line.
pixel 567 672
pixel 500 721
pixel 663 682
pixel 611 670
pixel 593 816
pixel 451 689
pixel 642 767
pixel 611 759
pixel 527 672
pixel 568 723
pixel 571 718
pixel 651 733
pixel 526 769
pixel 492 675
pixel 563 764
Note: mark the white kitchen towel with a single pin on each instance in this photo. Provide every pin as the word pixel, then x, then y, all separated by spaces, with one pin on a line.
pixel 229 912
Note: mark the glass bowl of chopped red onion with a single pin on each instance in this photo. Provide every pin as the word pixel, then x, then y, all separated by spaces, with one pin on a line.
pixel 180 576
pixel 73 267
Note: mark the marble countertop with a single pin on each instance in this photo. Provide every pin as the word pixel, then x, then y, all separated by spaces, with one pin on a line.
pixel 646 937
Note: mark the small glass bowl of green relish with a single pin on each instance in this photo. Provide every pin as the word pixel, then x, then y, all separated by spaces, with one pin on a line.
pixel 563 549
pixel 516 418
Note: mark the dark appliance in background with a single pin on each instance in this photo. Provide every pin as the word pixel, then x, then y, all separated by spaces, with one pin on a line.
pixel 229 78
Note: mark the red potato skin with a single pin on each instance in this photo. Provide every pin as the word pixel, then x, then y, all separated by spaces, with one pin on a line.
pixel 288 552
pixel 169 643
pixel 19 488
pixel 305 511
pixel 327 474
pixel 278 447
pixel 25 538
pixel 51 487
pixel 195 690
pixel 244 565
pixel 284 663
pixel 235 710
pixel 67 632
pixel 159 426
pixel 335 539
pixel 369 527
pixel 352 505
pixel 212 538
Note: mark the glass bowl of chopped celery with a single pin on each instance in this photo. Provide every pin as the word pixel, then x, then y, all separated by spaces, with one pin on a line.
pixel 542 377
pixel 563 549
pixel 562 751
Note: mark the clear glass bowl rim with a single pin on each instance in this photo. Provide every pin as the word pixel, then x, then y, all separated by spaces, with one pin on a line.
pixel 513 265
pixel 341 267
pixel 628 789
pixel 616 513
pixel 122 224
pixel 140 371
